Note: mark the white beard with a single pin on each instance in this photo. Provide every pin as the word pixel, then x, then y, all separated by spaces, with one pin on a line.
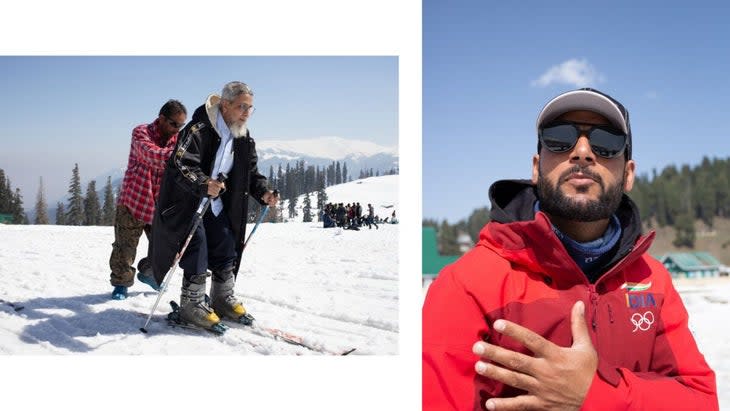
pixel 238 129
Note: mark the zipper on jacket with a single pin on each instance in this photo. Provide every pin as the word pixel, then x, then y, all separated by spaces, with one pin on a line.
pixel 594 305
pixel 610 313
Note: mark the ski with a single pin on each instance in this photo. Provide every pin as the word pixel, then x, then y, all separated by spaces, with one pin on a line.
pixel 173 320
pixel 287 337
pixel 14 306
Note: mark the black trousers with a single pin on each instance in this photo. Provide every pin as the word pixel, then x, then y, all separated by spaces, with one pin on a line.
pixel 211 247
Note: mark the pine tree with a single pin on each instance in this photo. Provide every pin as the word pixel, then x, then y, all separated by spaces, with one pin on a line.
pixel 310 182
pixel 288 182
pixel 280 180
pixel 301 178
pixel 344 172
pixel 685 231
pixel 5 194
pixel 109 209
pixel 321 196
pixel 75 213
pixel 447 239
pixel 60 214
pixel 41 209
pixel 476 221
pixel 338 173
pixel 19 216
pixel 331 174
pixel 307 209
pixel 92 210
pixel 272 181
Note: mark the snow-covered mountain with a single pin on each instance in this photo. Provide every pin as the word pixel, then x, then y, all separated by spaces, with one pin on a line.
pixel 322 151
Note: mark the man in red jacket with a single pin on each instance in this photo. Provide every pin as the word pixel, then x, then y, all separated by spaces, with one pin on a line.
pixel 559 306
pixel 151 147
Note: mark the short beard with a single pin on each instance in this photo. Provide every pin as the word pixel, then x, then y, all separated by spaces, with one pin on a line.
pixel 555 203
pixel 238 129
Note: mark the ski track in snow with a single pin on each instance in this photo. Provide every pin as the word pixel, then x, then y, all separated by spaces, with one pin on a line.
pixel 337 289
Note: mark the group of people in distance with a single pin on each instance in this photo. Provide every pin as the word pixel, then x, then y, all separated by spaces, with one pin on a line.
pixel 350 216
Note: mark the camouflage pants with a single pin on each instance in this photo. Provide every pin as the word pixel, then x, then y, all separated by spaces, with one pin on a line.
pixel 127 231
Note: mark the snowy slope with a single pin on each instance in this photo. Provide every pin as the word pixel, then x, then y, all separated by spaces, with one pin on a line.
pixel 335 288
pixel 381 192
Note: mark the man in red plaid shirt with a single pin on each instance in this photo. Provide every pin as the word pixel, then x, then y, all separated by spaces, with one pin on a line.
pixel 151 147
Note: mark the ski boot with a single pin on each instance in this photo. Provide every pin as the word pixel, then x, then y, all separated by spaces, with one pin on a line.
pixel 224 302
pixel 193 308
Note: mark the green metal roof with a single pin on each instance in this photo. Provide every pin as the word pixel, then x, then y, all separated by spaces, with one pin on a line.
pixel 692 261
pixel 433 262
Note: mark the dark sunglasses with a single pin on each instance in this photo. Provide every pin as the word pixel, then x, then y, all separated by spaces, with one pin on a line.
pixel 605 141
pixel 174 123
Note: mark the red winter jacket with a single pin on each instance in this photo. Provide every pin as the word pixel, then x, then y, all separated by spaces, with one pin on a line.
pixel 147 156
pixel 520 271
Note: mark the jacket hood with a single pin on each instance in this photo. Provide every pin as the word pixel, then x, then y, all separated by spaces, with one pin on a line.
pixel 208 114
pixel 521 235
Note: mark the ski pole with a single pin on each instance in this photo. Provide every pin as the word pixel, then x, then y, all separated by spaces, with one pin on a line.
pixel 261 218
pixel 199 213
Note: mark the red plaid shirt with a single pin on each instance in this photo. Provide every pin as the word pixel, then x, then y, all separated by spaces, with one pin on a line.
pixel 147 158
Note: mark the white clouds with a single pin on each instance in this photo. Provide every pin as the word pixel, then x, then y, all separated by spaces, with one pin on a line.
pixel 574 72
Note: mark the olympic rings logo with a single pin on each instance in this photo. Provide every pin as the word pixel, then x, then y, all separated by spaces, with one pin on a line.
pixel 642 321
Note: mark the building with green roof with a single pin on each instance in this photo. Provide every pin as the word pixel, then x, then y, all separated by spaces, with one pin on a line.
pixel 691 265
pixel 433 262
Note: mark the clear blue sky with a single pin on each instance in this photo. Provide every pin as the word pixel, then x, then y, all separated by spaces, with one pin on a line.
pixel 489 67
pixel 57 111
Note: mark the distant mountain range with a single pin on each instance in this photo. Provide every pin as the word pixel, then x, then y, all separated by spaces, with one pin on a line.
pixel 322 151
pixel 359 155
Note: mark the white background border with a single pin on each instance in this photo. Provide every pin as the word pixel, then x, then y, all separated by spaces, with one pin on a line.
pixel 283 27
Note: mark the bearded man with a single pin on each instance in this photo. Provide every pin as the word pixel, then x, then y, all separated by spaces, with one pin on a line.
pixel 215 156
pixel 559 305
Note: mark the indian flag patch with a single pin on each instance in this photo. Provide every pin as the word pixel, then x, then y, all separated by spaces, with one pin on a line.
pixel 636 286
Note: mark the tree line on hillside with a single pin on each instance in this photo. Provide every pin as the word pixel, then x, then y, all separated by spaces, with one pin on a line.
pixel 80 209
pixel 676 197
pixel 294 180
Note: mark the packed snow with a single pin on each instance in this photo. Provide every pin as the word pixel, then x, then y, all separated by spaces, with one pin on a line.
pixel 335 289
pixel 708 303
